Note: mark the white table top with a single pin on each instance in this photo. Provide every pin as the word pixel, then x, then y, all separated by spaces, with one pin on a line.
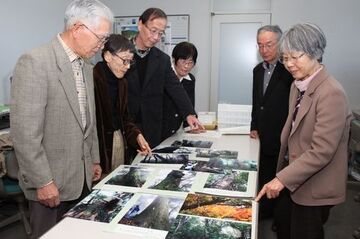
pixel 77 228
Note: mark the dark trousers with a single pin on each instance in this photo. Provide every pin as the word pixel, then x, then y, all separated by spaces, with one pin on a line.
pixel 267 171
pixel 294 221
pixel 42 218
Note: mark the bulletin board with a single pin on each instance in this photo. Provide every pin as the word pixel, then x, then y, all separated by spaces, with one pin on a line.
pixel 177 30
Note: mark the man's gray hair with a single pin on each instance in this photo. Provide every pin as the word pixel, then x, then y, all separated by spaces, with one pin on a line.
pixel 87 11
pixel 304 37
pixel 271 28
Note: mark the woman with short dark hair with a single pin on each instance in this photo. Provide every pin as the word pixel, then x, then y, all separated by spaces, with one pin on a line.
pixel 116 128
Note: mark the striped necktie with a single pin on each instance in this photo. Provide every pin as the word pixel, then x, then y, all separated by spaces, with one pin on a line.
pixel 297 106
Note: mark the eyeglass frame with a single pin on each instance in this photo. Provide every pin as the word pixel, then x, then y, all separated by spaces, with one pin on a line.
pixel 126 62
pixel 154 31
pixel 291 58
pixel 266 46
pixel 185 62
pixel 102 40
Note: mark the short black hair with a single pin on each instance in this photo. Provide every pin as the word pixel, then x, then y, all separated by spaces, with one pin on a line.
pixel 117 42
pixel 151 14
pixel 184 50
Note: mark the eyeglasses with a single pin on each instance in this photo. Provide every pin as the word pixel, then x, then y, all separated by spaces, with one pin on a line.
pixel 101 39
pixel 266 46
pixel 126 62
pixel 285 60
pixel 155 32
pixel 186 62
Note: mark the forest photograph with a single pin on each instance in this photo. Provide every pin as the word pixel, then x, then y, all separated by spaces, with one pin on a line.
pixel 230 208
pixel 191 227
pixel 210 153
pixel 192 143
pixel 173 150
pixel 201 166
pixel 234 181
pixel 153 211
pixel 166 158
pixel 130 176
pixel 100 205
pixel 173 180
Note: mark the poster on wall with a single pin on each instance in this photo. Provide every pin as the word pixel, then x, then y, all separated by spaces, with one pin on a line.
pixel 177 30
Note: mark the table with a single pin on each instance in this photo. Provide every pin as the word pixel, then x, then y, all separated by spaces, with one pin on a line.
pixel 77 228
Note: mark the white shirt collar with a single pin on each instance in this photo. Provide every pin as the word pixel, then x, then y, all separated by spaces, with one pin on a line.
pixel 187 77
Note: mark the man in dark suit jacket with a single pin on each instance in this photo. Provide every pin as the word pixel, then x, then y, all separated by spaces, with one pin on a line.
pixel 151 77
pixel 271 87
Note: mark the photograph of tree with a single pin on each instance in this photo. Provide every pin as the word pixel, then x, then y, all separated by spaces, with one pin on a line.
pixel 100 205
pixel 210 153
pixel 234 181
pixel 201 166
pixel 130 176
pixel 226 164
pixel 236 209
pixel 173 180
pixel 191 227
pixel 173 150
pixel 153 211
pixel 166 158
pixel 192 143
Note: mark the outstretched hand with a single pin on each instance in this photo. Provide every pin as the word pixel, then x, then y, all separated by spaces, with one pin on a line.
pixel 272 189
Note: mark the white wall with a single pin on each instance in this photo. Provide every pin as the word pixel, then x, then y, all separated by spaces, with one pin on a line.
pixel 26 24
pixel 340 21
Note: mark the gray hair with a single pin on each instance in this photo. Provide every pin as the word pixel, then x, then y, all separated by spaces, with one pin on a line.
pixel 271 28
pixel 305 37
pixel 87 11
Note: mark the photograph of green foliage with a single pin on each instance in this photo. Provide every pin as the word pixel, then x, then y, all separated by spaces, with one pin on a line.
pixel 100 205
pixel 234 181
pixel 191 227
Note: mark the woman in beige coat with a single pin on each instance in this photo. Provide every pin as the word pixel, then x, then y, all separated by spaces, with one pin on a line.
pixel 312 166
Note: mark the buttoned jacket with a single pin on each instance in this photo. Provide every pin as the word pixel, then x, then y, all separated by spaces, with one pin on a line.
pixel 317 143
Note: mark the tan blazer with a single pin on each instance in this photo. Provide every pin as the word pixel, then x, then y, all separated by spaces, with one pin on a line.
pixel 49 140
pixel 317 144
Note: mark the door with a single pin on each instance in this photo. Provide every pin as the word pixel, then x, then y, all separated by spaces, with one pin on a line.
pixel 234 55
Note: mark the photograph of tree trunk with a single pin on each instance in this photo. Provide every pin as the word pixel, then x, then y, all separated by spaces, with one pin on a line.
pixel 173 180
pixel 100 205
pixel 130 176
pixel 153 211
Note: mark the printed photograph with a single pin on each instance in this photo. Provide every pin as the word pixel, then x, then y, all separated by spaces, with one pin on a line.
pixel 100 205
pixel 192 143
pixel 174 180
pixel 209 153
pixel 130 177
pixel 190 227
pixel 153 211
pixel 173 150
pixel 234 181
pixel 220 207
pixel 201 166
pixel 166 158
